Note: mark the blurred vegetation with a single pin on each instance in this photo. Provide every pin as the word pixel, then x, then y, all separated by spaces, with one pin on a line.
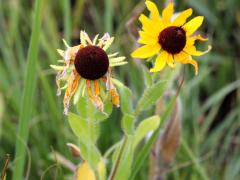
pixel 210 143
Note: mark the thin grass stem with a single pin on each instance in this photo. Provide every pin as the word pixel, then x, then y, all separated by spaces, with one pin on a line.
pixel 27 97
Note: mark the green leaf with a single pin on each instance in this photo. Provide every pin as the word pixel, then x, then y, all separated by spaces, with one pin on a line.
pixel 125 159
pixel 145 150
pixel 146 126
pixel 150 96
pixel 117 151
pixel 147 76
pixel 90 153
pixel 125 97
pixel 128 123
pixel 87 110
pixel 85 130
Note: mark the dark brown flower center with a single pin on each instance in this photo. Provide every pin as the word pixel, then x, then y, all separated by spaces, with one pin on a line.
pixel 91 62
pixel 172 39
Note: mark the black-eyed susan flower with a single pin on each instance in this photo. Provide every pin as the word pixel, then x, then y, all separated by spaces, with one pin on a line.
pixel 171 39
pixel 88 62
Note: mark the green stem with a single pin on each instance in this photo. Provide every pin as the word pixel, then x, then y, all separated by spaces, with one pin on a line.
pixel 146 149
pixel 110 150
pixel 27 98
pixel 118 159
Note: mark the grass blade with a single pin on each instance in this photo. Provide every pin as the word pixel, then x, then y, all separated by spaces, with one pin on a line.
pixel 67 22
pixel 108 16
pixel 29 84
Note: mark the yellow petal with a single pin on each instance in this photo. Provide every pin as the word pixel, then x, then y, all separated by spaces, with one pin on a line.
pixel 182 56
pixel 191 50
pixel 170 61
pixel 199 37
pixel 84 172
pixel 114 97
pixel 160 62
pixel 167 14
pixel 146 51
pixel 153 9
pixel 149 25
pixel 191 40
pixel 73 81
pixel 61 52
pixel 191 26
pixel 181 19
pixel 146 38
pixel 186 59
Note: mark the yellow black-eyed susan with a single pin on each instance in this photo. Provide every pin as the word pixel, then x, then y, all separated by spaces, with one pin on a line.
pixel 88 62
pixel 171 39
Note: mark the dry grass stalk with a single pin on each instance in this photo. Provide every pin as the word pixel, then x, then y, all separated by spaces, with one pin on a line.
pixel 167 144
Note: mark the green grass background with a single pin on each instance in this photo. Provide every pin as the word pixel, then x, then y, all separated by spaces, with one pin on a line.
pixel 210 101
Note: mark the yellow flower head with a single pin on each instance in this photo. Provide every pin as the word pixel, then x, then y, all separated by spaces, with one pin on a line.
pixel 172 40
pixel 88 62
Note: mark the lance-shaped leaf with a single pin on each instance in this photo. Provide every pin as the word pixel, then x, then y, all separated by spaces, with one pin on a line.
pixel 151 95
pixel 87 110
pixel 147 76
pixel 148 125
pixel 90 153
pixel 84 129
pixel 87 132
pixel 123 163
pixel 128 123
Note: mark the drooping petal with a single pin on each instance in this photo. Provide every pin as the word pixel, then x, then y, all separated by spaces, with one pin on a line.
pixel 61 52
pixel 114 97
pixel 108 43
pixel 191 26
pixel 82 38
pixel 95 99
pixel 160 62
pixel 167 14
pixel 191 50
pixel 95 39
pixel 73 80
pixel 153 9
pixel 87 38
pixel 182 17
pixel 65 43
pixel 113 55
pixel 186 59
pixel 146 51
pixel 111 88
pixel 70 53
pixel 58 68
pixel 191 40
pixel 118 61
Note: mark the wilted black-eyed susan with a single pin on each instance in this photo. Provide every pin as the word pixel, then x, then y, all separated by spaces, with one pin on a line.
pixel 88 62
pixel 171 39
